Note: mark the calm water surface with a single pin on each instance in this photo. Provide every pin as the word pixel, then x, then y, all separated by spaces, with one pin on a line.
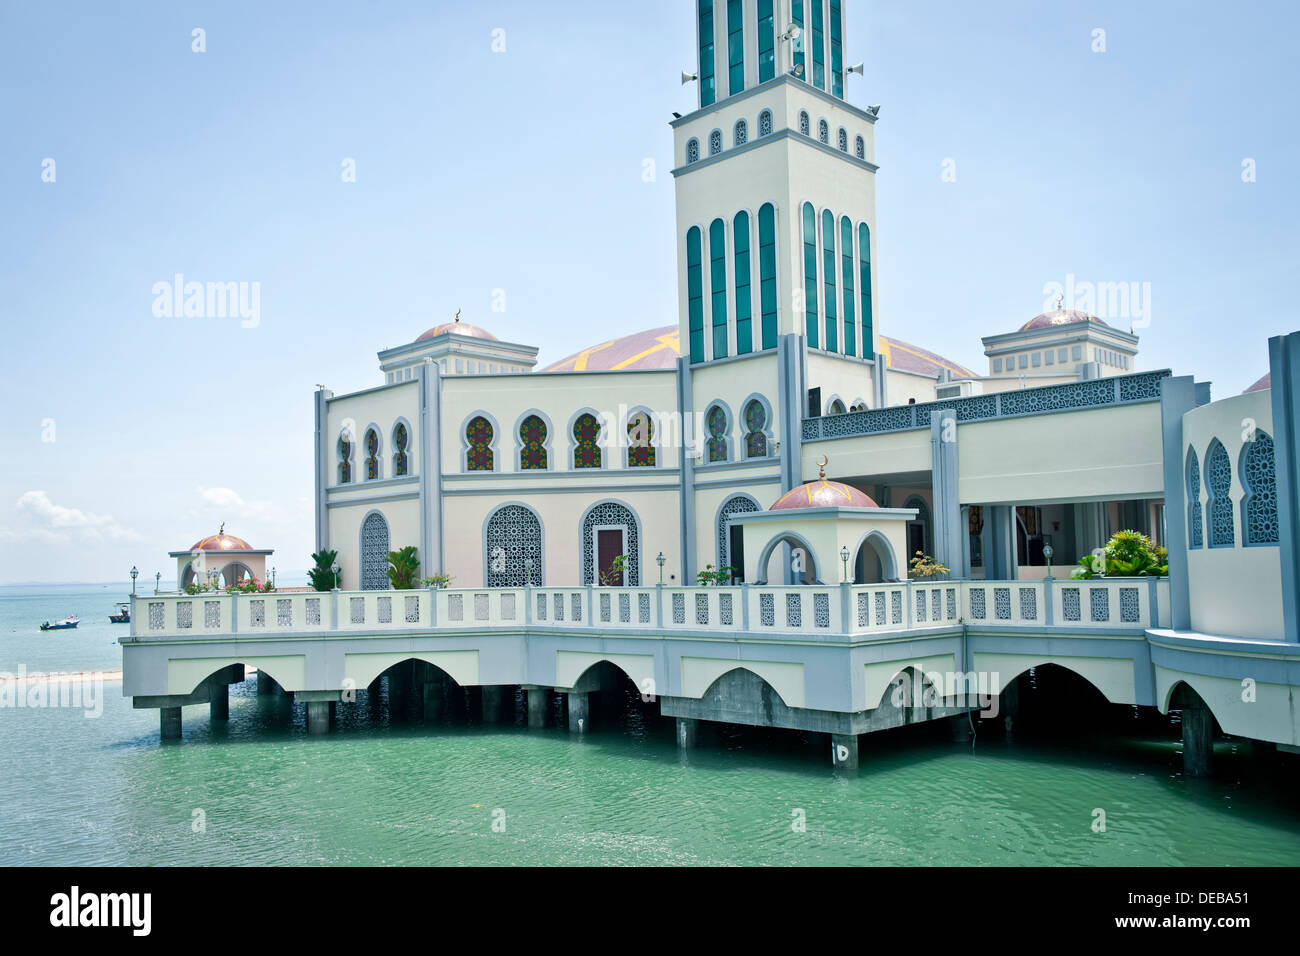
pixel 380 791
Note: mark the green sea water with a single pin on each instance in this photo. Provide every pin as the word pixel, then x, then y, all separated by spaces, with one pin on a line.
pixel 389 789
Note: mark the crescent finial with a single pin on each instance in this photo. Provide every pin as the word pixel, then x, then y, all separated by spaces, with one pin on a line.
pixel 821 467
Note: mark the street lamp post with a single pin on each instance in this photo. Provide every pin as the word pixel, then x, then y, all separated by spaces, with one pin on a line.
pixel 157 581
pixel 528 572
pixel 660 561
pixel 334 570
pixel 1047 556
pixel 134 574
pixel 844 556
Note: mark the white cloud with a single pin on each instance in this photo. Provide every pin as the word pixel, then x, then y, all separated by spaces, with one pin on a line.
pixel 47 521
pixel 226 503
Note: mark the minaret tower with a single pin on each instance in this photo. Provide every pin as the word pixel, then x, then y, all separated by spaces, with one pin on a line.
pixel 775 190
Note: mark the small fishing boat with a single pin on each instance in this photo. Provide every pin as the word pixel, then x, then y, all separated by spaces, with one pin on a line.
pixel 123 615
pixel 68 622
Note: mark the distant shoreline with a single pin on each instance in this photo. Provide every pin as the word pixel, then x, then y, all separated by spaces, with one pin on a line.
pixel 60 677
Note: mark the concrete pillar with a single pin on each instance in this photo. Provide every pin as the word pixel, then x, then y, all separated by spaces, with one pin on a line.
pixel 169 723
pixel 949 532
pixel 537 707
pixel 434 698
pixel 960 725
pixel 491 699
pixel 318 716
pixel 1198 739
pixel 687 733
pixel 1011 704
pixel 844 751
pixel 265 684
pixel 579 715
pixel 219 702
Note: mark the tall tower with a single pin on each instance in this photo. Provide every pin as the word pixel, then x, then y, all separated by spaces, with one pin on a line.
pixel 775 189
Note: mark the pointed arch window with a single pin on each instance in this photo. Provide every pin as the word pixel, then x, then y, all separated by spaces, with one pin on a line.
pixel 740 133
pixel 1218 486
pixel 836 408
pixel 640 441
pixel 846 267
pixel 513 539
pixel 810 273
pixel 864 288
pixel 1194 526
pixel 755 433
pixel 478 437
pixel 1259 521
pixel 586 442
pixel 831 298
pixel 718 285
pixel 374 552
pixel 765 123
pixel 401 458
pixel 744 295
pixel 372 454
pixel 692 151
pixel 715 142
pixel 767 272
pixel 716 422
pixel 345 452
pixel 532 444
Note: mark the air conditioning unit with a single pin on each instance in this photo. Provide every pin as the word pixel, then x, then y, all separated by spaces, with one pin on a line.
pixel 956 390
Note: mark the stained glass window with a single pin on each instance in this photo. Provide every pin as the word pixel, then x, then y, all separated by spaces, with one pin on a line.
pixel 1218 483
pixel 372 455
pixel 401 460
pixel 532 441
pixel 478 436
pixel 345 458
pixel 1259 522
pixel 1194 526
pixel 640 441
pixel 716 422
pixel 586 442
pixel 755 422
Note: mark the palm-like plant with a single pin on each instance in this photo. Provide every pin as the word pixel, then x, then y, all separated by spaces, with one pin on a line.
pixel 322 576
pixel 404 568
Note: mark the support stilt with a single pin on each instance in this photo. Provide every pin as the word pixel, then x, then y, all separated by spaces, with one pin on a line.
pixel 1198 739
pixel 318 716
pixel 579 714
pixel 491 703
pixel 219 702
pixel 844 751
pixel 687 733
pixel 169 719
pixel 537 707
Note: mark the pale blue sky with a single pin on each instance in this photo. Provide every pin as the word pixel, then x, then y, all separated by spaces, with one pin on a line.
pixel 479 170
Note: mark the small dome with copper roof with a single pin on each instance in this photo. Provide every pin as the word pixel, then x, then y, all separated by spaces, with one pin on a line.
pixel 1062 316
pixel 1264 383
pixel 457 327
pixel 822 493
pixel 221 542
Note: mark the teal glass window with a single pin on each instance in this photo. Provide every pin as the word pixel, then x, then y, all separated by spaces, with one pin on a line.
pixel 718 285
pixel 837 48
pixel 864 288
pixel 810 274
pixel 735 46
pixel 744 301
pixel 846 267
pixel 766 41
pixel 796 17
pixel 767 272
pixel 708 81
pixel 818 43
pixel 828 278
pixel 695 292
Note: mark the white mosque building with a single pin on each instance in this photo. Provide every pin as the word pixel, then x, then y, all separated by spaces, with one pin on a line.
pixel 772 429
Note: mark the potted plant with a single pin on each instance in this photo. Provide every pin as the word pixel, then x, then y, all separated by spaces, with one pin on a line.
pixel 925 568
pixel 322 576
pixel 404 568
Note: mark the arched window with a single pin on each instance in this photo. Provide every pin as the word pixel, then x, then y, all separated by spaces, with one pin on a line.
pixel 478 439
pixel 731 552
pixel 1194 535
pixel 372 454
pixel 740 133
pixel 692 151
pixel 695 291
pixel 844 140
pixel 831 298
pixel 810 273
pixel 765 123
pixel 708 77
pixel 755 434
pixel 401 441
pixel 1259 522
pixel 640 440
pixel 846 268
pixel 512 538
pixel 864 288
pixel 608 530
pixel 767 272
pixel 716 422
pixel 918 528
pixel 858 406
pixel 744 296
pixel 715 142
pixel 824 132
pixel 374 553
pixel 586 441
pixel 718 285
pixel 836 407
pixel 532 444
pixel 345 457
pixel 860 148
pixel 803 123
pixel 1218 486
pixel 766 41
